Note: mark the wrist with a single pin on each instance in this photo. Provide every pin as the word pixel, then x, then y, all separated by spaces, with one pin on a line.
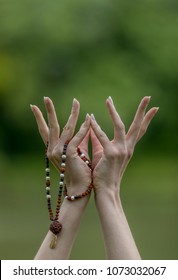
pixel 76 205
pixel 108 195
pixel 77 195
pixel 72 211
pixel 77 191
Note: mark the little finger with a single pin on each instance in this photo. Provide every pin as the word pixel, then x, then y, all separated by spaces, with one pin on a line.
pixel 134 129
pixel 41 123
pixel 146 121
pixel 52 123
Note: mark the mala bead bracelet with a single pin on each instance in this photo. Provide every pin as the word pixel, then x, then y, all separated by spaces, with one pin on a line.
pixel 56 226
pixel 88 191
pixel 83 157
pixel 73 197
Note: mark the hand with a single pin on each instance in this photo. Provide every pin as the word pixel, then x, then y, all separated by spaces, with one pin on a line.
pixel 77 173
pixel 110 158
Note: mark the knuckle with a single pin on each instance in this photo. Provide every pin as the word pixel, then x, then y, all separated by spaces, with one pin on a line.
pixel 41 131
pixel 101 135
pixel 49 154
pixel 134 123
pixel 120 126
pixel 55 154
pixel 67 127
pixel 55 127
pixel 129 153
pixel 79 134
pixel 69 149
pixel 112 154
pixel 143 130
pixel 121 153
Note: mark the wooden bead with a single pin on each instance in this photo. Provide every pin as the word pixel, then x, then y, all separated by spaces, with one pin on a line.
pixel 62 169
pixel 55 227
pixel 48 183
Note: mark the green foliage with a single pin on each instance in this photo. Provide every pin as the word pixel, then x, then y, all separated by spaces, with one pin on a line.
pixel 88 50
pixel 149 196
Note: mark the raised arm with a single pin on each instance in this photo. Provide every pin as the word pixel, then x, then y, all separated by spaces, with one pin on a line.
pixel 77 176
pixel 110 159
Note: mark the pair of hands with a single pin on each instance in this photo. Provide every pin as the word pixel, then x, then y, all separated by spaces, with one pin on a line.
pixel 109 158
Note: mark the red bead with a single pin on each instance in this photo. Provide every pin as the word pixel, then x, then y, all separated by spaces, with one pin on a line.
pixel 62 169
pixel 47 183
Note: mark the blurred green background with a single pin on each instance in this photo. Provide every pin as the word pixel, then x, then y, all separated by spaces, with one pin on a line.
pixel 89 50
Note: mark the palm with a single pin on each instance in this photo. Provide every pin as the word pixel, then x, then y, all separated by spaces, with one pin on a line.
pixel 78 170
pixel 97 157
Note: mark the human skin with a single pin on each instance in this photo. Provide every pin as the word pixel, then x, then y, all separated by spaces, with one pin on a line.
pixel 77 175
pixel 109 161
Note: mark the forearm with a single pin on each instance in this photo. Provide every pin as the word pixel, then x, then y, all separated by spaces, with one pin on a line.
pixel 70 217
pixel 119 242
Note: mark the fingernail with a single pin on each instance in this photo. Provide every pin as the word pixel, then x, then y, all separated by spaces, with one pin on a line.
pixel 74 100
pixel 157 108
pixel 46 99
pixel 31 106
pixel 93 117
pixel 110 99
pixel 87 116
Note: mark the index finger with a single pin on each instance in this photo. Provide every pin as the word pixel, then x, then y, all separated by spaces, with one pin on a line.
pixel 137 122
pixel 81 134
pixel 69 128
